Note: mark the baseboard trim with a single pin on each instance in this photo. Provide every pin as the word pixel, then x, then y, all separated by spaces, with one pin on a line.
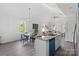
pixel 8 42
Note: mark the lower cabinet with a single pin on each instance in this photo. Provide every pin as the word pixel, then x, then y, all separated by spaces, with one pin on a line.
pixel 45 47
pixel 52 47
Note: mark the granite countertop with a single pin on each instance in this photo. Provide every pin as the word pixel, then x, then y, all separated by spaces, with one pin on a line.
pixel 45 38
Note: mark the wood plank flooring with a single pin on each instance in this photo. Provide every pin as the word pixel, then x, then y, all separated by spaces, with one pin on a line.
pixel 68 50
pixel 18 49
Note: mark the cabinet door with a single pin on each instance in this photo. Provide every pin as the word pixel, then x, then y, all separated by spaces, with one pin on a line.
pixel 52 47
pixel 41 47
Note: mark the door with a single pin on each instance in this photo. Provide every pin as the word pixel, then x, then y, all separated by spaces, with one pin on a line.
pixel 70 29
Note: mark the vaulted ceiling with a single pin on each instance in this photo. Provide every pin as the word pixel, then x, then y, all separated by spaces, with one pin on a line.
pixel 69 9
pixel 38 10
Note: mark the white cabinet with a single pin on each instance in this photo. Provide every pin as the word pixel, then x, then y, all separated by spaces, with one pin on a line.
pixel 47 47
pixel 41 47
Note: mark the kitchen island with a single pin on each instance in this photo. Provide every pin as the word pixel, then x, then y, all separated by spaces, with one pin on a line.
pixel 47 45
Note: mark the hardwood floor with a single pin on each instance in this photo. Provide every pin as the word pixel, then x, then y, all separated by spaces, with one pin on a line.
pixel 18 49
pixel 68 50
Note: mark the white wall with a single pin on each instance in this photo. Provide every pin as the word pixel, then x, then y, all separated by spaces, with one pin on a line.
pixel 8 28
pixel 12 14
